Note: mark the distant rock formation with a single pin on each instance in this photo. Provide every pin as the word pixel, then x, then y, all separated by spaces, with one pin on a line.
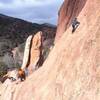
pixel 26 52
pixel 33 52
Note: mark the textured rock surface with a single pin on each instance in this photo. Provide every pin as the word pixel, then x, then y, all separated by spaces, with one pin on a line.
pixel 26 52
pixel 69 10
pixel 72 70
pixel 35 51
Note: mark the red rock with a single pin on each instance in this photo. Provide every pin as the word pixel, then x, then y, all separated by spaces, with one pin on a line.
pixel 69 10
pixel 35 51
pixel 72 70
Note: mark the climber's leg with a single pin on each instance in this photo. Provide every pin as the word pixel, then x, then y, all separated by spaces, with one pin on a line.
pixel 77 24
pixel 73 28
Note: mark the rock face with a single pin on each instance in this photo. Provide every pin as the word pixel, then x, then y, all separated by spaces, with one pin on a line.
pixel 36 48
pixel 69 10
pixel 72 70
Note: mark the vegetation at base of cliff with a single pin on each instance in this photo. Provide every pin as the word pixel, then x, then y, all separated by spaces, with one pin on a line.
pixel 3 69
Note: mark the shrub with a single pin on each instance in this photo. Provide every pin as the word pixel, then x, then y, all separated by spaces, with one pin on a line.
pixel 8 60
pixel 21 47
pixel 3 69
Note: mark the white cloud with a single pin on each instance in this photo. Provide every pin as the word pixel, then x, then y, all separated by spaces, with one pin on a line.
pixel 32 10
pixel 26 3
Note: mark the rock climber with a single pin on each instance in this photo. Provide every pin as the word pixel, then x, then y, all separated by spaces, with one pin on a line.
pixel 75 24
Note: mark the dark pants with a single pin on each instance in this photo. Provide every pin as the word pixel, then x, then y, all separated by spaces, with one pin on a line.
pixel 74 26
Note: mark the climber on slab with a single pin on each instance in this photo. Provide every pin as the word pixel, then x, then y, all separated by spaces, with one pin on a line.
pixel 75 24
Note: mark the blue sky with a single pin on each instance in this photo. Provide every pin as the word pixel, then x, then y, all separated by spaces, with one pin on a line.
pixel 38 11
